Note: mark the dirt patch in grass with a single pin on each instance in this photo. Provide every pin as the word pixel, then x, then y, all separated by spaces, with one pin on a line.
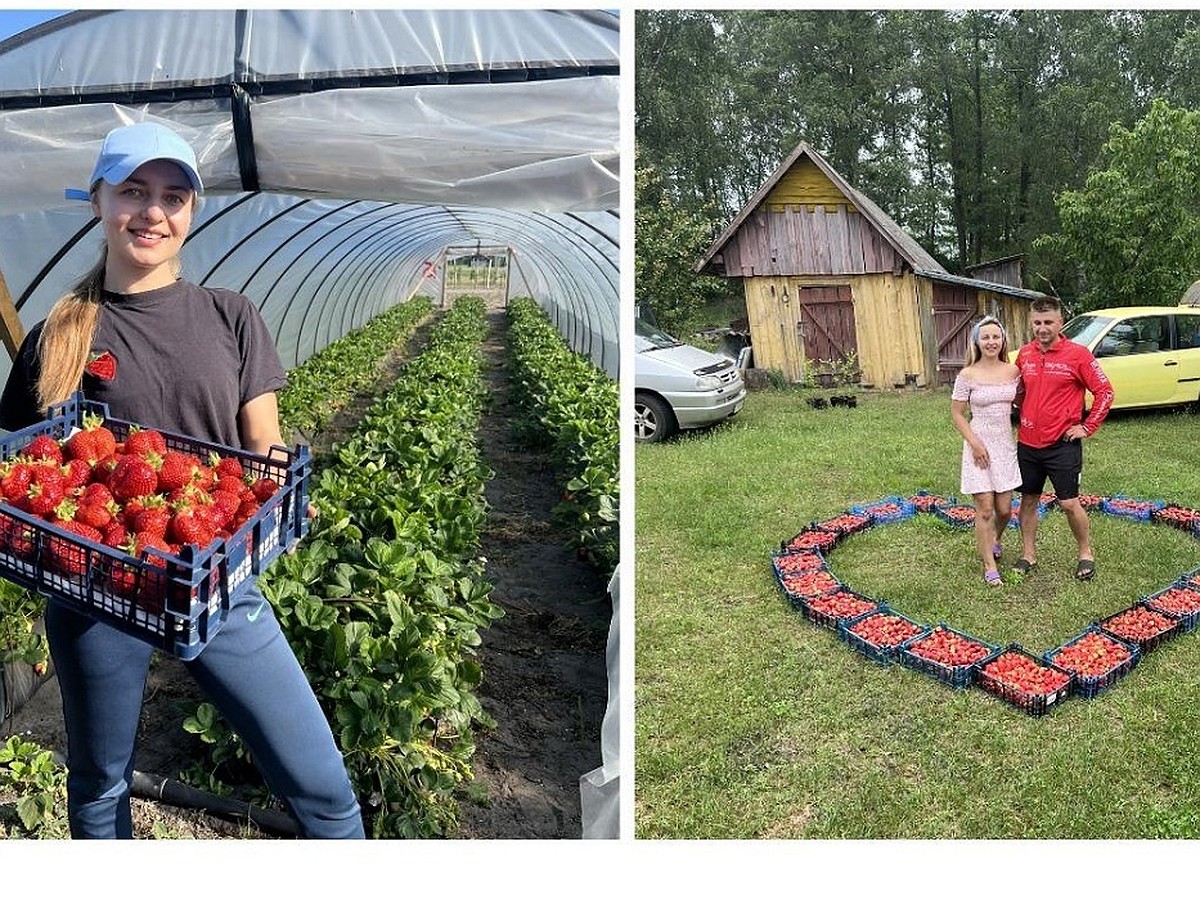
pixel 545 681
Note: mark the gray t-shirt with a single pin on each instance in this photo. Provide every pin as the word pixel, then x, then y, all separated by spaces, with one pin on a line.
pixel 187 358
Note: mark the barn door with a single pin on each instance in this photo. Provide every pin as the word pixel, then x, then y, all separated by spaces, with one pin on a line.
pixel 827 322
pixel 954 309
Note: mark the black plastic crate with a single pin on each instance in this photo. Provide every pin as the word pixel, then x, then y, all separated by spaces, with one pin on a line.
pixel 831 620
pixel 174 603
pixel 957 515
pixel 1034 704
pixel 1189 579
pixel 844 525
pixel 1177 516
pixel 1088 686
pixel 959 676
pixel 1187 617
pixel 810 538
pixel 1091 502
pixel 884 654
pixel 1146 644
pixel 796 586
pixel 790 562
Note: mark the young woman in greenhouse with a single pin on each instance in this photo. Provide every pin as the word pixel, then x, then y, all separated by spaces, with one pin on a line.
pixel 170 354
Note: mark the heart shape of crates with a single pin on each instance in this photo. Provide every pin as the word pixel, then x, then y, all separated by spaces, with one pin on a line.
pixel 1082 667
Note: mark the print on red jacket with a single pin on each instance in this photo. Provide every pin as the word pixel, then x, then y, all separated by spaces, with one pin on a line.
pixel 1054 384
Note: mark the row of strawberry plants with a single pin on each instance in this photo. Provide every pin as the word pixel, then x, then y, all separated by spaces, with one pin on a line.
pixel 383 603
pixel 572 408
pixel 324 382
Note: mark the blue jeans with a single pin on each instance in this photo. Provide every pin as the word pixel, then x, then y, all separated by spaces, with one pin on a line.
pixel 248 672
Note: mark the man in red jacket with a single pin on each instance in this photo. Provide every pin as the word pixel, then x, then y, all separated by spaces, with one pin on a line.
pixel 1055 373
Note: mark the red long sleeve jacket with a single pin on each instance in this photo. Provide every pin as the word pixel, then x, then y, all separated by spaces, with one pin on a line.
pixel 1053 384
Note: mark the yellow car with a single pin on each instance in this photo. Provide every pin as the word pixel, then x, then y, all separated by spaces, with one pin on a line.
pixel 1151 354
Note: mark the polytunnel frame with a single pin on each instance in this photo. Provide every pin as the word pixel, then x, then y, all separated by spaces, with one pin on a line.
pixel 237 89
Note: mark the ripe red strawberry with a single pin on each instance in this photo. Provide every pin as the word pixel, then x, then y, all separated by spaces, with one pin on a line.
pixel 224 466
pixel 123 577
pixel 98 515
pixel 115 533
pixel 46 490
pixel 67 556
pixel 96 493
pixel 229 484
pixel 153 516
pixel 248 508
pixel 264 488
pixel 16 537
pixel 175 470
pixel 132 477
pixel 44 447
pixel 92 443
pixel 102 471
pixel 192 524
pixel 225 506
pixel 141 441
pixel 76 473
pixel 14 477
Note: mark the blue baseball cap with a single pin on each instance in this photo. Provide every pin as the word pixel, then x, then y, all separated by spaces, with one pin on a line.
pixel 127 147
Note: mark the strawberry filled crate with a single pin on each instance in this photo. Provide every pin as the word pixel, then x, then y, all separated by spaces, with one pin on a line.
pixel 1097 660
pixel 831 609
pixel 878 634
pixel 945 654
pixel 1179 601
pixel 174 599
pixel 1024 680
pixel 1141 626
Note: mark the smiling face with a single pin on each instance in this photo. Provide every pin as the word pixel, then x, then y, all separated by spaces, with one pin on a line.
pixel 991 341
pixel 1046 326
pixel 145 220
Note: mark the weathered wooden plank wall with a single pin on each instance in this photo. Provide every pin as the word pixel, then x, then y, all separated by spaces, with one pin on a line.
pixel 804 240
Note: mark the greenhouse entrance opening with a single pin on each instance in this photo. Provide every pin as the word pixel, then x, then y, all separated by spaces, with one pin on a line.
pixel 479 270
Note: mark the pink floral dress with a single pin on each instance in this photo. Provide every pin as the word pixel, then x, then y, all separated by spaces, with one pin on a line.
pixel 991 406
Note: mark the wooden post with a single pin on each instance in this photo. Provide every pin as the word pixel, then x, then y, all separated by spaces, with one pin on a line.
pixel 11 330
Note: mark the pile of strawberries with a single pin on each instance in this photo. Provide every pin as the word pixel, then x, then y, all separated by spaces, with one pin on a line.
pixel 840 605
pixel 793 563
pixel 1138 624
pixel 132 495
pixel 813 540
pixel 1092 655
pixel 810 584
pixel 947 648
pixel 957 514
pixel 845 524
pixel 1178 601
pixel 886 629
pixel 1025 674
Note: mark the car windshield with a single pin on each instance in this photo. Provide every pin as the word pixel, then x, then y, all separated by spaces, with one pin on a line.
pixel 1084 329
pixel 652 338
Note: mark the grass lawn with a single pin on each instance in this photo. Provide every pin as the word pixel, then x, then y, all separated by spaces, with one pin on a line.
pixel 752 722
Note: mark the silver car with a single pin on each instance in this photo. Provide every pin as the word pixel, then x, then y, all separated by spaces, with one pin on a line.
pixel 678 386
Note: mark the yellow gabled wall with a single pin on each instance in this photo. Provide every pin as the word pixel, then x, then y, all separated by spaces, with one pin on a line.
pixel 805 184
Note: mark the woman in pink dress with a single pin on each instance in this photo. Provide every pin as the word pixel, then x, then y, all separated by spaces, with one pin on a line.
pixel 985 389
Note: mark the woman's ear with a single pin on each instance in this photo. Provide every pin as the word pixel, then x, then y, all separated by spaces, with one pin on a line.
pixel 94 199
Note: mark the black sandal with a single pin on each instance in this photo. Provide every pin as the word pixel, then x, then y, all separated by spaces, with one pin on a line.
pixel 1085 569
pixel 1023 566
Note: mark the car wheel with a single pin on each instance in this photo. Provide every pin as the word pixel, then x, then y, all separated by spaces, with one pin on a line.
pixel 653 420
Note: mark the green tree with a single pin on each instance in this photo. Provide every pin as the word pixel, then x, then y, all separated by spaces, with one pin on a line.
pixel 669 239
pixel 1133 229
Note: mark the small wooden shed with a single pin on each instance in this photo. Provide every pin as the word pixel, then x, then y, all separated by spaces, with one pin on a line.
pixel 829 276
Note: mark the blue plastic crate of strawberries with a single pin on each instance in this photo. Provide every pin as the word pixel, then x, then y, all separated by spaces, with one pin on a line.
pixel 146 528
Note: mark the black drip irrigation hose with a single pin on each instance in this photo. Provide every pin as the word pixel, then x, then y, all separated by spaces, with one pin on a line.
pixel 176 793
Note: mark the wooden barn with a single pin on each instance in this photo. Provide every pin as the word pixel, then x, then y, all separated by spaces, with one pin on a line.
pixel 829 276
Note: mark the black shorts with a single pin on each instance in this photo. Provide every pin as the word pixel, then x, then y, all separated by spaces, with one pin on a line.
pixel 1062 462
